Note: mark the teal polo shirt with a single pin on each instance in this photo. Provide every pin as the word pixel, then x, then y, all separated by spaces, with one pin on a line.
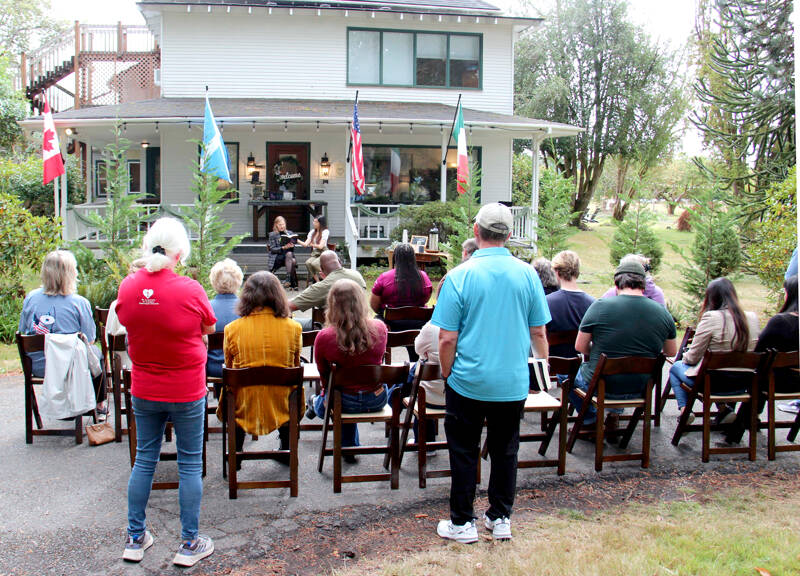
pixel 491 300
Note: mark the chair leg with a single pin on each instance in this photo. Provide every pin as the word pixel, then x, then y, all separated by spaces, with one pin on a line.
pixel 324 434
pixel 753 422
pixel 28 414
pixel 562 441
pixel 79 429
pixel 599 430
pixel 771 428
pixel 117 411
pixel 646 427
pixel 35 405
pixel 224 448
pixel 657 406
pixel 576 428
pixel 794 429
pixel 337 444
pixel 706 427
pixel 422 447
pixel 233 484
pixel 394 448
pixel 684 418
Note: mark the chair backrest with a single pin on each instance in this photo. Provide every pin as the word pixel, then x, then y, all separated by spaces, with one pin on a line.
pixel 101 317
pixel 318 316
pixel 216 340
pixel 560 337
pixel 237 378
pixel 398 339
pixel 27 343
pixel 782 360
pixel 429 371
pixel 628 365
pixel 421 313
pixel 309 338
pixel 688 336
pixel 731 371
pixel 568 366
pixel 368 376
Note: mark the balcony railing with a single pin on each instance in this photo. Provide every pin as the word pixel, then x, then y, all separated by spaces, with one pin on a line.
pixel 78 228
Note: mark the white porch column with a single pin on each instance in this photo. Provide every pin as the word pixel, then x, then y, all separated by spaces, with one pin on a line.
pixel 56 208
pixel 443 169
pixel 536 141
pixel 63 206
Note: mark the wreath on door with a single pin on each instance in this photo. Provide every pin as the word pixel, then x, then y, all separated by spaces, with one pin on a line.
pixel 293 174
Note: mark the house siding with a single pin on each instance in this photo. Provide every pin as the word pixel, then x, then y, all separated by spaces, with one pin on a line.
pixel 275 56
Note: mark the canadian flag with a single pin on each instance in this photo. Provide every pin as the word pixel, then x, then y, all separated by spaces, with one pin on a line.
pixel 51 152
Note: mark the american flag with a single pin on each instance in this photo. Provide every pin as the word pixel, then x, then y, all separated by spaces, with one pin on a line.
pixel 357 160
pixel 41 328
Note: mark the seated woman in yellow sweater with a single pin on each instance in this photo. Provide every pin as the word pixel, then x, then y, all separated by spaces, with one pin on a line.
pixel 264 335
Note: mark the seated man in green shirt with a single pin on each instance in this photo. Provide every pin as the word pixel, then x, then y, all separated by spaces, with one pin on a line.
pixel 628 325
pixel 316 295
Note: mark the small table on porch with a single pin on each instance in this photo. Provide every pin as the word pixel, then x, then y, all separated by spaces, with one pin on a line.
pixel 260 207
pixel 422 258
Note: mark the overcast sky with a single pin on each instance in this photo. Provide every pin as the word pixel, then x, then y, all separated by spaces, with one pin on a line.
pixel 670 22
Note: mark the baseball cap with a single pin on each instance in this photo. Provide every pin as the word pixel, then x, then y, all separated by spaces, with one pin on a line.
pixel 630 268
pixel 496 218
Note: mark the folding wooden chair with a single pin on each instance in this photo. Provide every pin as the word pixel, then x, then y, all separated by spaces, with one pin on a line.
pixel 780 361
pixel 666 394
pixel 420 313
pixel 235 380
pixel 310 373
pixel 713 384
pixel 27 344
pixel 366 377
pixel 558 338
pixel 115 345
pixel 215 342
pixel 596 396
pixel 163 456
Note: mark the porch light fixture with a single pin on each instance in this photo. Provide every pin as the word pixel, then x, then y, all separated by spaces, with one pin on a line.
pixel 145 144
pixel 254 126
pixel 411 128
pixel 285 125
pixel 70 131
pixel 156 127
pixel 324 168
pixel 317 125
pixel 251 161
pixel 380 127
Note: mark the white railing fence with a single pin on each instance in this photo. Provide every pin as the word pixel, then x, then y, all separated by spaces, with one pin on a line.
pixel 524 223
pixel 77 226
pixel 375 221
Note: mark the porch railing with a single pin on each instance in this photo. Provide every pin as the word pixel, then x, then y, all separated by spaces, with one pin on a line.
pixel 375 221
pixel 77 226
pixel 524 223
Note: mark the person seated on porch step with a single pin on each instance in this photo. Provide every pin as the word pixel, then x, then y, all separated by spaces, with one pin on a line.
pixel 265 335
pixel 546 274
pixel 316 295
pixel 317 239
pixel 350 338
pixel 724 327
pixel 781 334
pixel 650 290
pixel 627 325
pixel 226 279
pixel 282 254
pixel 56 308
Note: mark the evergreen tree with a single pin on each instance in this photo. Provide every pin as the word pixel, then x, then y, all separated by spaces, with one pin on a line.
pixel 635 235
pixel 207 226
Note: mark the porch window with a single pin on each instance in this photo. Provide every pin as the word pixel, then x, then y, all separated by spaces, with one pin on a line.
pixel 407 174
pixel 100 179
pixel 134 176
pixel 413 59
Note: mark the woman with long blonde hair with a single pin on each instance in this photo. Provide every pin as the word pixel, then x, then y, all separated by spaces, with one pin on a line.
pixel 350 338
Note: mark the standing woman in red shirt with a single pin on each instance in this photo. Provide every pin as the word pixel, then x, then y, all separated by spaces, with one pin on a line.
pixel 166 316
pixel 350 338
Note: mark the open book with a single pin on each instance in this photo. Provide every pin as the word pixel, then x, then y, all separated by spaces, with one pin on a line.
pixel 288 238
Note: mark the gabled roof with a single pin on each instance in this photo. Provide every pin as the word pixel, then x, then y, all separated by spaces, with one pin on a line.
pixel 266 111
pixel 434 5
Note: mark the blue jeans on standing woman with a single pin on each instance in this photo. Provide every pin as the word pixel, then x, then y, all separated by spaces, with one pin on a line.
pixel 365 401
pixel 188 419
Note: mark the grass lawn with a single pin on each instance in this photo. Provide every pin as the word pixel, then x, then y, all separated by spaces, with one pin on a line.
pixel 9 358
pixel 734 532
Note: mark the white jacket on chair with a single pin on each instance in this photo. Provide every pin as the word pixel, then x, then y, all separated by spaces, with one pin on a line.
pixel 67 390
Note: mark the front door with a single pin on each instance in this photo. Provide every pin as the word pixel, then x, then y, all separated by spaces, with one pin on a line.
pixel 288 179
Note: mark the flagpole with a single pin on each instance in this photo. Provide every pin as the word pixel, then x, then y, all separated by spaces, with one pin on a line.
pixel 350 148
pixel 56 194
pixel 453 125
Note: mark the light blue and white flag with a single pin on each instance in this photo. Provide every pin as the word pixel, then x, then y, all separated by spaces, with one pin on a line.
pixel 215 159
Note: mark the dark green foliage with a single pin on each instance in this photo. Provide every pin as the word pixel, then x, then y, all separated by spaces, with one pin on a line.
pixel 746 87
pixel 12 109
pixel 715 252
pixel 634 235
pixel 206 225
pixel 22 176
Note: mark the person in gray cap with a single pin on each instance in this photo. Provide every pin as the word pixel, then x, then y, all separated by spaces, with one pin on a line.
pixel 490 309
pixel 628 325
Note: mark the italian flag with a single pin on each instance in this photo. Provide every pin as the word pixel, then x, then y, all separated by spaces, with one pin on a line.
pixel 51 153
pixel 460 134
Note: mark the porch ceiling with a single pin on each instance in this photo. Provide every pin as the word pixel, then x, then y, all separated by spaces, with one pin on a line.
pixel 245 111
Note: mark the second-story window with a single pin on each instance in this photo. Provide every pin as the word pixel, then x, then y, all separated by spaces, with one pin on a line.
pixel 415 59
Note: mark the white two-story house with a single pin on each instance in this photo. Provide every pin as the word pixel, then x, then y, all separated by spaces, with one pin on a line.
pixel 282 77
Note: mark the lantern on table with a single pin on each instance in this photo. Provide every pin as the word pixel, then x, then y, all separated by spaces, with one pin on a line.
pixel 433 239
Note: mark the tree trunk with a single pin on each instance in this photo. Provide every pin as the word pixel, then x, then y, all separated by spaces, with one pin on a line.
pixel 671 208
pixel 620 208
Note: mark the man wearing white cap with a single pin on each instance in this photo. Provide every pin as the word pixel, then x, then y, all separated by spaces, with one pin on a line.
pixel 489 311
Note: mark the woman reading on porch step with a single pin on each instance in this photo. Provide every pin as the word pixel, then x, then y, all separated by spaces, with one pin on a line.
pixel 281 251
pixel 318 241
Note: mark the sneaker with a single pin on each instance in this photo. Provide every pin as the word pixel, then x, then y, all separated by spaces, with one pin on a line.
pixel 310 412
pixel 689 420
pixel 350 458
pixel 500 527
pixel 192 551
pixel 792 407
pixel 466 533
pixel 725 415
pixel 135 547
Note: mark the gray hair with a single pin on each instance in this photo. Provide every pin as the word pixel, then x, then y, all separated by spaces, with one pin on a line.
pixel 545 272
pixel 468 247
pixel 60 273
pixel 638 259
pixel 164 242
pixel 226 276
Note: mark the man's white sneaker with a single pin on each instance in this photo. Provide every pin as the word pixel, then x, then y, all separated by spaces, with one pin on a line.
pixel 466 533
pixel 501 527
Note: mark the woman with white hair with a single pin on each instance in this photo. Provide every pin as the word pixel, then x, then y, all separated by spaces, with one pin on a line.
pixel 56 308
pixel 166 316
pixel 226 279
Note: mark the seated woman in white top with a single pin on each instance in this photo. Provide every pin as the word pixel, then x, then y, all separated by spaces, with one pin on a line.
pixel 318 241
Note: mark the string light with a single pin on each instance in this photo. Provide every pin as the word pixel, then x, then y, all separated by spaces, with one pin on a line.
pixel 380 127
pixel 124 126
pixel 189 125
pixel 156 127
pixel 285 125
pixel 222 126
pixel 254 126
pixel 441 129
pixel 411 128
pixel 317 125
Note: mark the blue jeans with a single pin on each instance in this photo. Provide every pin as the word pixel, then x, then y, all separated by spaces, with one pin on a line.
pixel 352 404
pixel 677 374
pixel 188 418
pixel 591 413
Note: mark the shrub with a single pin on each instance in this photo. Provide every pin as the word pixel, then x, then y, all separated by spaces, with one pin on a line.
pixel 22 177
pixel 685 221
pixel 635 236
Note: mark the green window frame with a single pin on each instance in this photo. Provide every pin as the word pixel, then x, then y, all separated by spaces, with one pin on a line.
pixel 414 33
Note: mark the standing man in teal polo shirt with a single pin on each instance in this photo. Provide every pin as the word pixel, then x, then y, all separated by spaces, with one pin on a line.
pixel 490 309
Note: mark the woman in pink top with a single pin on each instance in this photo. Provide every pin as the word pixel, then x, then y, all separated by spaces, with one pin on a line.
pixel 350 338
pixel 166 316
